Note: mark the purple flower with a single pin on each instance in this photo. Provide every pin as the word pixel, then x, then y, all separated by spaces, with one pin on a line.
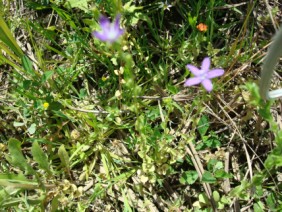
pixel 203 75
pixel 110 32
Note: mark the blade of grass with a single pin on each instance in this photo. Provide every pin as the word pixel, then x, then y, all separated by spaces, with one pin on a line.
pixel 7 37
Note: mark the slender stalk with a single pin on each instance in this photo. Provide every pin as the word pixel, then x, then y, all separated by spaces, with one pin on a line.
pixel 271 59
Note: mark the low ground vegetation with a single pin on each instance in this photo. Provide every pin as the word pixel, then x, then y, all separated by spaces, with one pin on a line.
pixel 105 106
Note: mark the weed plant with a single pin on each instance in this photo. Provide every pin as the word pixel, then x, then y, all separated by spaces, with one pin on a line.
pixel 101 108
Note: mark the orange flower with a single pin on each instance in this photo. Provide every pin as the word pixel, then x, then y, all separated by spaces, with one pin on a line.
pixel 202 27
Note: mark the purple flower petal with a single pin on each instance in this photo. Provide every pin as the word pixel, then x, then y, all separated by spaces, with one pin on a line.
pixel 110 32
pixel 215 73
pixel 207 85
pixel 100 35
pixel 104 22
pixel 203 75
pixel 116 26
pixel 193 81
pixel 118 32
pixel 206 64
pixel 117 20
pixel 193 69
pixel 112 35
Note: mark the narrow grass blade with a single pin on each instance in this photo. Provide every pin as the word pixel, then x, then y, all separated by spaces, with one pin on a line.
pixel 7 37
pixel 9 52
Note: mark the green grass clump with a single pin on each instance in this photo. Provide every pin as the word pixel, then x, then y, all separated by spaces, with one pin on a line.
pixel 88 125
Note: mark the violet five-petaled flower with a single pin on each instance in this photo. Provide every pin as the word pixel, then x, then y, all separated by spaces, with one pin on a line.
pixel 110 32
pixel 203 75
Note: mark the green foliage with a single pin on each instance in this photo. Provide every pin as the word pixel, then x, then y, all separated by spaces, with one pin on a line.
pixel 89 125
pixel 16 158
pixel 27 65
pixel 7 38
pixel 208 177
pixel 16 181
pixel 208 141
pixel 83 5
pixel 189 177
pixel 63 154
pixel 203 125
pixel 40 157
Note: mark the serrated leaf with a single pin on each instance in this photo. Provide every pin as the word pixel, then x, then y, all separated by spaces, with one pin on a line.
pixel 208 177
pixel 16 156
pixel 64 157
pixel 40 157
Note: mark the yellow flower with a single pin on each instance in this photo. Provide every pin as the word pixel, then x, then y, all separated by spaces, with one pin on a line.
pixel 46 105
pixel 104 78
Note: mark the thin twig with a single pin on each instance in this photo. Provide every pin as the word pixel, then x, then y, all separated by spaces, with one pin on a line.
pixel 270 15
pixel 226 183
pixel 244 143
pixel 177 97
